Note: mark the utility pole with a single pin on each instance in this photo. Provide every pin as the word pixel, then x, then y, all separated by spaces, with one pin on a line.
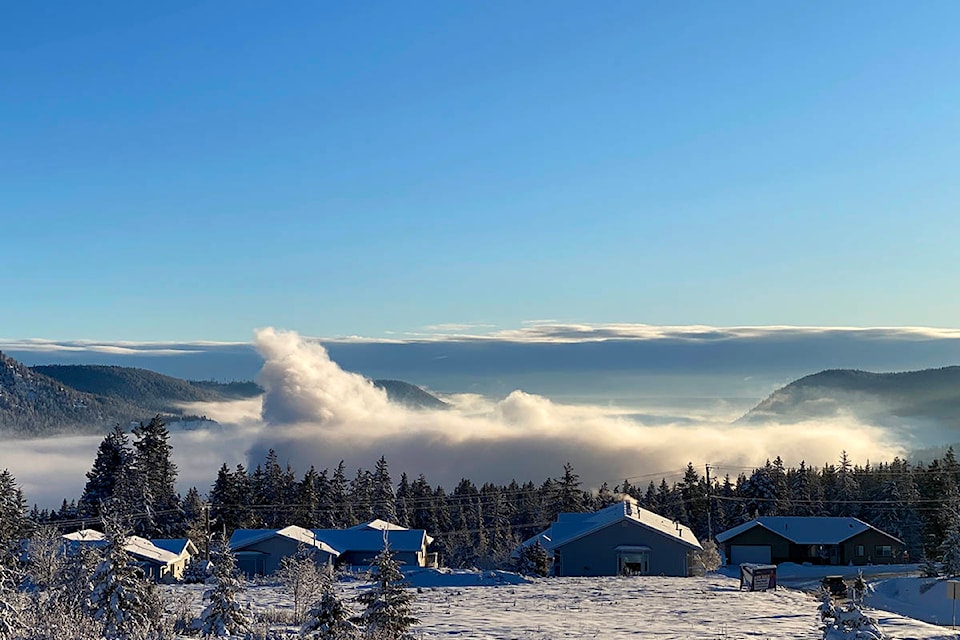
pixel 206 530
pixel 709 506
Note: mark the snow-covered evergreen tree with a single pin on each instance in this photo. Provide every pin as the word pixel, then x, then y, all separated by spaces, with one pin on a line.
pixel 329 618
pixel 158 475
pixel 13 511
pixel 127 606
pixel 534 560
pixel 223 616
pixel 950 548
pixel 388 605
pixel 13 606
pixel 113 456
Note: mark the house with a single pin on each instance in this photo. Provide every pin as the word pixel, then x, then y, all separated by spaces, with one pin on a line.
pixel 622 539
pixel 360 544
pixel 817 540
pixel 163 562
pixel 183 548
pixel 259 551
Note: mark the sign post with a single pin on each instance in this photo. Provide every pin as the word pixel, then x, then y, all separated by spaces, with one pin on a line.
pixel 953 592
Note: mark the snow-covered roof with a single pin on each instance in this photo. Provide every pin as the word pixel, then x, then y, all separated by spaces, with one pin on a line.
pixel 805 529
pixel 179 546
pixel 136 546
pixel 85 535
pixel 245 537
pixel 382 525
pixel 573 526
pixel 146 550
pixel 372 539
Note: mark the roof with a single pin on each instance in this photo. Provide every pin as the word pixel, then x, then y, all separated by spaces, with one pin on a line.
pixel 402 540
pixel 806 529
pixel 179 546
pixel 573 526
pixel 245 537
pixel 382 525
pixel 136 546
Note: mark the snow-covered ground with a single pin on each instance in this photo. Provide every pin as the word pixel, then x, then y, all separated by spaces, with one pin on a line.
pixel 503 607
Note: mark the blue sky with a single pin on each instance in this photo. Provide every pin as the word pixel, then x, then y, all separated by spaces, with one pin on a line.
pixel 192 170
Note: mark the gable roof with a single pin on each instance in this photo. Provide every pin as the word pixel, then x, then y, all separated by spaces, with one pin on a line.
pixel 179 546
pixel 806 529
pixel 246 537
pixel 573 526
pixel 404 540
pixel 382 525
pixel 140 548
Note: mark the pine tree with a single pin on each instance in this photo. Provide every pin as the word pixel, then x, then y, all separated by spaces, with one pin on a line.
pixel 382 498
pixel 223 616
pixel 13 511
pixel 568 491
pixel 127 606
pixel 404 497
pixel 388 605
pixel 13 606
pixel 157 477
pixel 329 618
pixel 534 560
pixel 343 514
pixel 113 455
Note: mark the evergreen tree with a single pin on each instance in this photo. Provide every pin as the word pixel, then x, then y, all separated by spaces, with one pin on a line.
pixel 361 495
pixel 534 560
pixel 404 497
pixel 329 618
pixel 342 515
pixel 157 477
pixel 382 498
pixel 122 601
pixel 387 604
pixel 950 548
pixel 569 494
pixel 223 615
pixel 14 525
pixel 113 457
pixel 13 606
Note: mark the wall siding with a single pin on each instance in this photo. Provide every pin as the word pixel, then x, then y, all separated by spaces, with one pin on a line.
pixel 595 554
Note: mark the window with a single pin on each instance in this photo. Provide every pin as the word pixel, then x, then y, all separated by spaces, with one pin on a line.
pixel 636 563
pixel 859 550
pixel 884 551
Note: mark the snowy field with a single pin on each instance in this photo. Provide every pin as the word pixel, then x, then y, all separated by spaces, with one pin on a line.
pixel 711 608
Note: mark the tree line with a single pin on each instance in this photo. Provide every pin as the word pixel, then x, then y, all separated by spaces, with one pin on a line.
pixel 481 525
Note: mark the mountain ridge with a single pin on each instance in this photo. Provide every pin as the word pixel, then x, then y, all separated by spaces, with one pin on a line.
pixel 925 394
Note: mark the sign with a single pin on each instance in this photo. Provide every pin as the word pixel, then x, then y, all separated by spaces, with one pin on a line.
pixel 953 589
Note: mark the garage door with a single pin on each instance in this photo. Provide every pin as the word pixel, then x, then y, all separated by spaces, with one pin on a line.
pixel 755 553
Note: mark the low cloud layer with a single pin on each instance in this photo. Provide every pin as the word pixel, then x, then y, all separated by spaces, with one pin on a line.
pixel 316 413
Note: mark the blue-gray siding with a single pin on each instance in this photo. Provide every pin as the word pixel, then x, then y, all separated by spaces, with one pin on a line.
pixel 595 554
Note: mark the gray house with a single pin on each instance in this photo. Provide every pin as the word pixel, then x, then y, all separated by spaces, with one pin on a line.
pixel 161 560
pixel 817 540
pixel 360 544
pixel 259 551
pixel 622 539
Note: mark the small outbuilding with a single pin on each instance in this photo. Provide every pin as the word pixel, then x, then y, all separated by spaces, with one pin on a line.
pixel 815 540
pixel 622 539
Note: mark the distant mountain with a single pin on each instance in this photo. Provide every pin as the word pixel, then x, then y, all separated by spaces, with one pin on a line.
pixel 410 395
pixel 32 403
pixel 47 399
pixel 145 388
pixel 930 394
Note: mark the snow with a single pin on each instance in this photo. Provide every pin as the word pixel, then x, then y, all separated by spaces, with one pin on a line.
pixel 504 606
pixel 571 526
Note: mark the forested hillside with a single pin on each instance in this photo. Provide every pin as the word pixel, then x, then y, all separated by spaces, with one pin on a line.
pixel 930 394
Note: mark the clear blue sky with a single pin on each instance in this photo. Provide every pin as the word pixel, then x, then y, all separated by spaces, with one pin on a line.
pixel 191 170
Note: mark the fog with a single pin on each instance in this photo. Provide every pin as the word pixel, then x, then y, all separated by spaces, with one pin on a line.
pixel 316 413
